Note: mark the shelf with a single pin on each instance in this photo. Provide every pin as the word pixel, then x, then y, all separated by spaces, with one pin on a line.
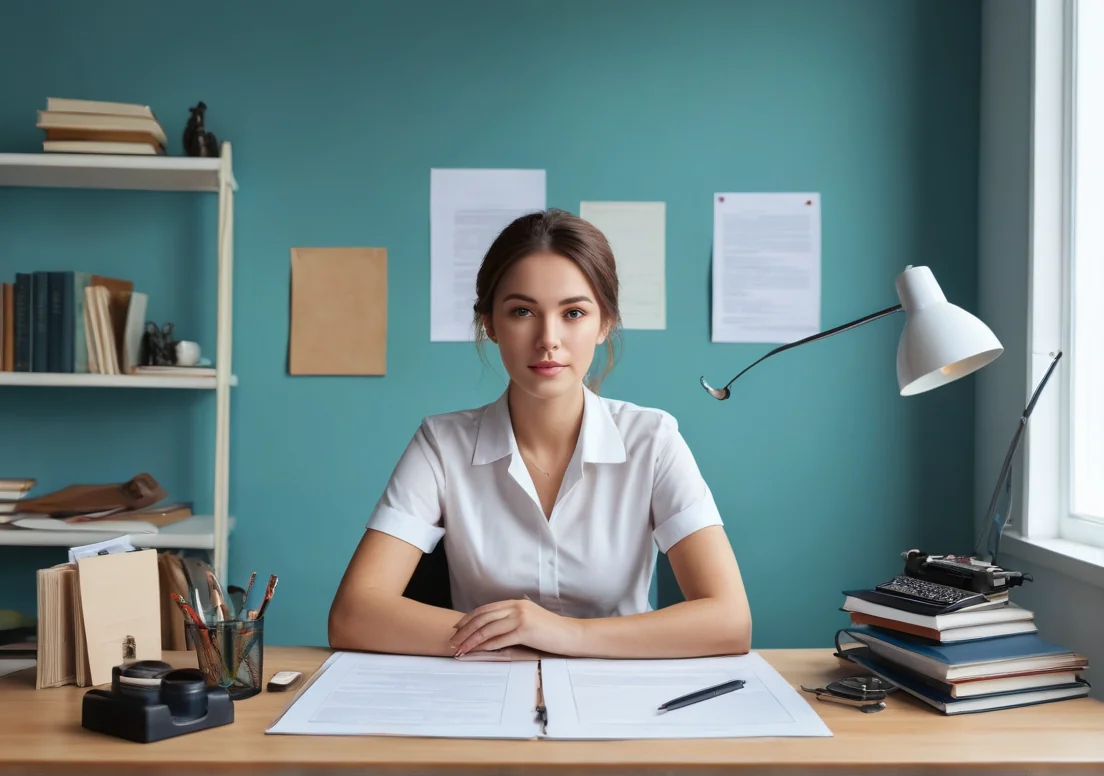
pixel 104 171
pixel 63 380
pixel 193 533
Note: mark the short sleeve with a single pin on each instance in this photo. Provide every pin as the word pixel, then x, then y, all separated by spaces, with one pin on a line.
pixel 681 500
pixel 410 507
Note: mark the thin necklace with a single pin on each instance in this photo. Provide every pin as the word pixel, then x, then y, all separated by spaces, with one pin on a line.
pixel 530 460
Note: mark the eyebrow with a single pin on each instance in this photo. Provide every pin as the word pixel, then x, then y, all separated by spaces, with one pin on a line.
pixel 530 300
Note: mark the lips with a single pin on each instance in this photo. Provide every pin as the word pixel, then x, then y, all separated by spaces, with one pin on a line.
pixel 547 368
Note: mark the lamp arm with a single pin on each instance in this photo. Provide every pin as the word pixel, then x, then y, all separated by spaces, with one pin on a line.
pixel 992 522
pixel 723 393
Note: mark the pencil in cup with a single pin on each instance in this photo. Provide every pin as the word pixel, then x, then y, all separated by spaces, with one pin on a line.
pixel 236 663
pixel 229 652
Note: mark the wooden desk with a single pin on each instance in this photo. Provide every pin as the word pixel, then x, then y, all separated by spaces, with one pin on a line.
pixel 40 732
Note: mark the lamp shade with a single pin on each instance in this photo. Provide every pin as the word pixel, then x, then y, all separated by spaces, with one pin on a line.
pixel 940 342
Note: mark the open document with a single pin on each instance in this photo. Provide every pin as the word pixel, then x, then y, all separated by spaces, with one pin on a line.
pixel 396 695
pixel 620 699
pixel 766 267
pixel 467 210
pixel 402 695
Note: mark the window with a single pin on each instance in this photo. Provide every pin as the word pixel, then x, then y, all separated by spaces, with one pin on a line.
pixel 1064 454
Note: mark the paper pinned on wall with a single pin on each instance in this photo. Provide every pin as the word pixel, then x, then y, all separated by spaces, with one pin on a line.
pixel 766 267
pixel 468 209
pixel 338 311
pixel 637 233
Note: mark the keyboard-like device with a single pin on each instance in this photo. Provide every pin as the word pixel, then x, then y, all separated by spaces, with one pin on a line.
pixel 924 590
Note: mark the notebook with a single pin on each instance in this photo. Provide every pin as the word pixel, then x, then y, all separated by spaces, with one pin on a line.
pixel 971 659
pixel 949 705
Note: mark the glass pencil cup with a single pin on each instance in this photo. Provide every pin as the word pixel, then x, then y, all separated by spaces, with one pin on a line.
pixel 230 654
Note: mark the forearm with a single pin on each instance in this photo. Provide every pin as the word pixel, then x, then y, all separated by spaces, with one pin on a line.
pixel 707 626
pixel 379 621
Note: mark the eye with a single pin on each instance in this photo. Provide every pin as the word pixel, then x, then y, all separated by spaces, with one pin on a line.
pixel 520 311
pixel 575 314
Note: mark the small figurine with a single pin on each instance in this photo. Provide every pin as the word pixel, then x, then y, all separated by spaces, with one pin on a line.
pixel 197 140
pixel 158 345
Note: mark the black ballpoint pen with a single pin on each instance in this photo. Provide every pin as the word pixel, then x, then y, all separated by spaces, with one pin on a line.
pixel 702 695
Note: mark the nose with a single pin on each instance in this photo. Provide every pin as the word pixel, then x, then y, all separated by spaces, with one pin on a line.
pixel 549 339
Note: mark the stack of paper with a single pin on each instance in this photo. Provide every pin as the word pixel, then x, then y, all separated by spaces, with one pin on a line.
pixel 399 695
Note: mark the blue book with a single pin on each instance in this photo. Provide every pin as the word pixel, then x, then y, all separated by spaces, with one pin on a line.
pixel 989 702
pixel 24 322
pixel 40 320
pixel 966 660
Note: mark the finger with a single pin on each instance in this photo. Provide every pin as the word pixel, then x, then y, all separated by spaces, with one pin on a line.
pixel 502 642
pixel 498 628
pixel 476 624
pixel 481 610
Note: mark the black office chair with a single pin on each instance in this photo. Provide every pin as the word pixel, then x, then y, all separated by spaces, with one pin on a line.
pixel 429 584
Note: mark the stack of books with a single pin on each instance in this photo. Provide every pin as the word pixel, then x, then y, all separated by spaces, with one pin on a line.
pixel 98 127
pixel 70 322
pixel 956 650
pixel 12 490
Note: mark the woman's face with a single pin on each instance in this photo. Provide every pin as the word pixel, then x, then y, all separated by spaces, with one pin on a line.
pixel 547 322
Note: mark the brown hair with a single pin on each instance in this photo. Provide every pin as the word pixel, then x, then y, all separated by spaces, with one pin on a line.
pixel 564 234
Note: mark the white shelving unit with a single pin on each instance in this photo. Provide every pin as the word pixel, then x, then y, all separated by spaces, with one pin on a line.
pixel 58 380
pixel 148 173
pixel 194 533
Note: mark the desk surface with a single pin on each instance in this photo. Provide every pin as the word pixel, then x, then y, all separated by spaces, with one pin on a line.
pixel 40 732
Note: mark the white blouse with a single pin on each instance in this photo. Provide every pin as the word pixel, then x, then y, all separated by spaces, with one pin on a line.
pixel 631 487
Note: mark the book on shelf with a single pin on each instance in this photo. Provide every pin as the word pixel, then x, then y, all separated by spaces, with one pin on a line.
pixel 100 127
pixel 12 491
pixel 132 521
pixel 71 322
pixel 175 371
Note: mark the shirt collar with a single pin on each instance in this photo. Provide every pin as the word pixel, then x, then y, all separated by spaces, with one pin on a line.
pixel 601 439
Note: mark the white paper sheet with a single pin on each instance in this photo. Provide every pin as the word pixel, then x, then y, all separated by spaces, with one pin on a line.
pixel 401 695
pixel 10 665
pixel 604 699
pixel 468 209
pixel 637 233
pixel 766 267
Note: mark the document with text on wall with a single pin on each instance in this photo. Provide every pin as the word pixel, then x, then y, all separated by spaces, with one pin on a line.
pixel 467 211
pixel 397 695
pixel 766 267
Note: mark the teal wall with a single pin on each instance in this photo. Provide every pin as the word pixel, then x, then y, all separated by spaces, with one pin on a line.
pixel 337 112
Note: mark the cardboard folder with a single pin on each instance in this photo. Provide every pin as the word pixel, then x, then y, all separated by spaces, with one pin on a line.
pixel 103 611
pixel 338 311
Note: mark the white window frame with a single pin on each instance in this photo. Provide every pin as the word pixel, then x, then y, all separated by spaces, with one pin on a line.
pixel 1048 532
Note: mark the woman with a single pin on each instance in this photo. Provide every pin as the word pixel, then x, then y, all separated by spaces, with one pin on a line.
pixel 551 501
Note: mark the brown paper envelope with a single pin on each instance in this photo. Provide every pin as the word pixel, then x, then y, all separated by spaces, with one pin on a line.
pixel 338 311
pixel 122 613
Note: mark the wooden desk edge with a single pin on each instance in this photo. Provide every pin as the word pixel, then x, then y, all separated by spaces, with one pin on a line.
pixel 40 733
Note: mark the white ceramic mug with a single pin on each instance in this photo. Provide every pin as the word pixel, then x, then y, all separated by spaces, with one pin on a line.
pixel 187 353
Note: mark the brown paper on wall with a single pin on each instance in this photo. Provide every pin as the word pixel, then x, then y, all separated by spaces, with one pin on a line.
pixel 338 311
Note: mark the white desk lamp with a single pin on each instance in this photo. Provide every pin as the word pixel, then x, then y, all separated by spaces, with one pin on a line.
pixel 940 342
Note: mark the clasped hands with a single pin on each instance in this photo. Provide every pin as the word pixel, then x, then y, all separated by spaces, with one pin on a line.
pixel 515 623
